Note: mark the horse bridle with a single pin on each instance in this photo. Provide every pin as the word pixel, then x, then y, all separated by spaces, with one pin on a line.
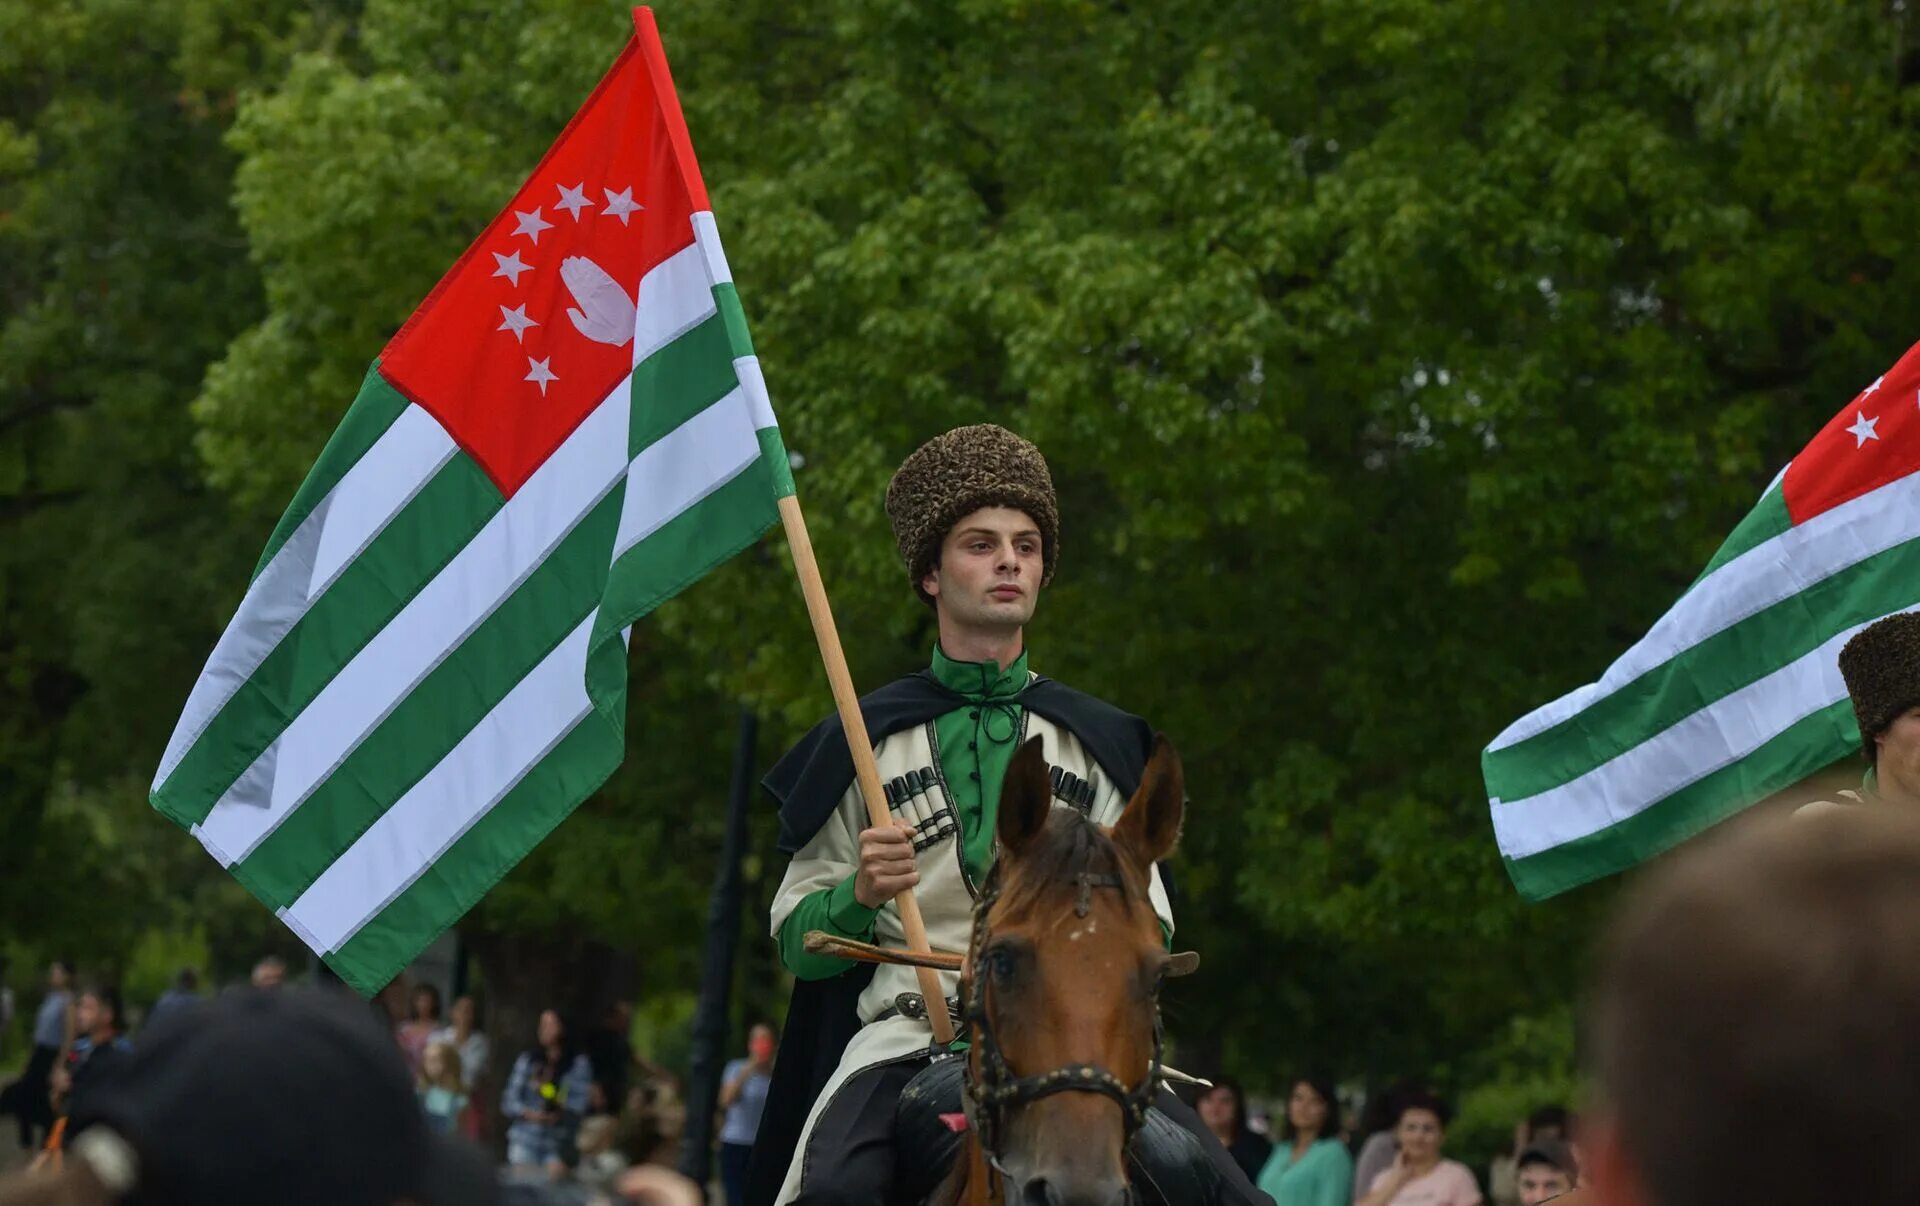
pixel 995 1088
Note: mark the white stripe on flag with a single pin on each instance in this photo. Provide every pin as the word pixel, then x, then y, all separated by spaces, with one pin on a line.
pixel 747 371
pixel 1756 579
pixel 431 626
pixel 1731 728
pixel 424 823
pixel 366 498
pixel 706 233
pixel 674 298
pixel 684 466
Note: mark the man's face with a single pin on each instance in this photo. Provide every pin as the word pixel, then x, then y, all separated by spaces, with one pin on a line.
pixel 1897 766
pixel 988 575
pixel 269 973
pixel 1541 1182
pixel 88 1014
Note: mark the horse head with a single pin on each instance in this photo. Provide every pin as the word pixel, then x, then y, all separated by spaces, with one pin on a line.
pixel 1062 987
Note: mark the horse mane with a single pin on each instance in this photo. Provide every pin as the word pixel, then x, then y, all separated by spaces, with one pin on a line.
pixel 1067 846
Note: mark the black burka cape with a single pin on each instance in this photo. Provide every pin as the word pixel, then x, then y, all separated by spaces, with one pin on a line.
pixel 808 784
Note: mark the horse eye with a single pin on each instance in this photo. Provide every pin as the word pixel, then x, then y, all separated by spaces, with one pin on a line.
pixel 1000 965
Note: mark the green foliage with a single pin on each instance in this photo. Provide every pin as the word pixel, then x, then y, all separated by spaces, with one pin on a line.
pixel 157 957
pixel 1398 364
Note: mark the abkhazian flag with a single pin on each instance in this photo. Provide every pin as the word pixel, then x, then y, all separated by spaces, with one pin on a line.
pixel 428 672
pixel 1736 691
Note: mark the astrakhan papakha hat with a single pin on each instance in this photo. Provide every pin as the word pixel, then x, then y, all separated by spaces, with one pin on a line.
pixel 1881 666
pixel 953 475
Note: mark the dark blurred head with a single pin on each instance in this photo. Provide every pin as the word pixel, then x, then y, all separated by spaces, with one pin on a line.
pixel 463 1011
pixel 1312 1108
pixel 59 974
pixel 270 972
pixel 426 1003
pixel 1766 976
pixel 761 1041
pixel 295 1097
pixel 187 979
pixel 552 1029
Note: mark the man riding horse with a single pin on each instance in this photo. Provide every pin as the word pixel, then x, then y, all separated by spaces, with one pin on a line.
pixel 977 524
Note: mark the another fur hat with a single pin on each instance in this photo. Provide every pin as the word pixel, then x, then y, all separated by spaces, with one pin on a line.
pixel 953 475
pixel 1881 666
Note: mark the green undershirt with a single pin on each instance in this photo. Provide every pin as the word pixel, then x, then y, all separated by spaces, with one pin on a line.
pixel 977 742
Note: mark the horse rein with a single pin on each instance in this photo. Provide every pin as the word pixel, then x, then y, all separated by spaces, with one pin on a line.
pixel 996 1089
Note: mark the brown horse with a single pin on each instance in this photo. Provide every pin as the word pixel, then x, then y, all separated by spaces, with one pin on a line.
pixel 1062 988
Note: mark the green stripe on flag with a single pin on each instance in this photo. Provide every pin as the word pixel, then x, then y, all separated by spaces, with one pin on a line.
pixel 436 714
pixel 369 592
pixel 1796 752
pixel 773 452
pixel 1768 519
pixel 727 298
pixel 679 381
pixel 376 408
pixel 681 550
pixel 1716 667
pixel 481 856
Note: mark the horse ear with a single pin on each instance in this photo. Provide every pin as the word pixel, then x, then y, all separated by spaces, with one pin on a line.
pixel 1026 798
pixel 1148 830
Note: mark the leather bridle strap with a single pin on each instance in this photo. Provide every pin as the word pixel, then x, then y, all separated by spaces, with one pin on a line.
pixel 995 1089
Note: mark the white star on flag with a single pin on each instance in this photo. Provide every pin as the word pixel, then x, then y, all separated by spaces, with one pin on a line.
pixel 516 320
pixel 620 204
pixel 539 373
pixel 1869 391
pixel 1863 429
pixel 531 224
pixel 573 200
pixel 510 266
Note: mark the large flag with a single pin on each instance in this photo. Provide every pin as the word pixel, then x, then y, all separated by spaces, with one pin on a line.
pixel 1736 692
pixel 428 672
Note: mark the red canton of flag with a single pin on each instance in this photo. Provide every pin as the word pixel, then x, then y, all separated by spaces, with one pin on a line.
pixel 533 327
pixel 1874 440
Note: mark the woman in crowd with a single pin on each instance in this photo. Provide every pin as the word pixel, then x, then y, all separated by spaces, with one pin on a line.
pixel 463 1032
pixel 545 1098
pixel 1419 1176
pixel 423 1019
pixel 1224 1109
pixel 1310 1166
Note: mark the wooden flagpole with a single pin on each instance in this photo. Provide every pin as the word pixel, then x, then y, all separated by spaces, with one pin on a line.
pixel 866 772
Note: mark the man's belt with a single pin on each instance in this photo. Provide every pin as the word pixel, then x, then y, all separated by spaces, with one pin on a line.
pixel 913 1005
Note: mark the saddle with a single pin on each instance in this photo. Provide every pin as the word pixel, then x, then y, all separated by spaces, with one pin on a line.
pixel 1165 1164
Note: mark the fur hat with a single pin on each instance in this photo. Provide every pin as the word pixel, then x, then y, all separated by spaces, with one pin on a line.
pixel 1881 666
pixel 953 475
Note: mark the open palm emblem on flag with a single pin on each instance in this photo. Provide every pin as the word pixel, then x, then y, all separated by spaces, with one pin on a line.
pixel 602 311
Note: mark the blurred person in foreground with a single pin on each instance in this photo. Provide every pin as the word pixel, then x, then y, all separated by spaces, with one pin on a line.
pixel 1223 1108
pixel 1548 1124
pixel 293 1097
pixel 1420 1175
pixel 1770 972
pixel 1545 1171
pixel 1310 1165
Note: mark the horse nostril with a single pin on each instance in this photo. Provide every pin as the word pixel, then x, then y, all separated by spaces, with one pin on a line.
pixel 1038 1193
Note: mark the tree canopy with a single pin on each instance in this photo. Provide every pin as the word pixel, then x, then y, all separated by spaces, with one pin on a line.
pixel 1397 364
